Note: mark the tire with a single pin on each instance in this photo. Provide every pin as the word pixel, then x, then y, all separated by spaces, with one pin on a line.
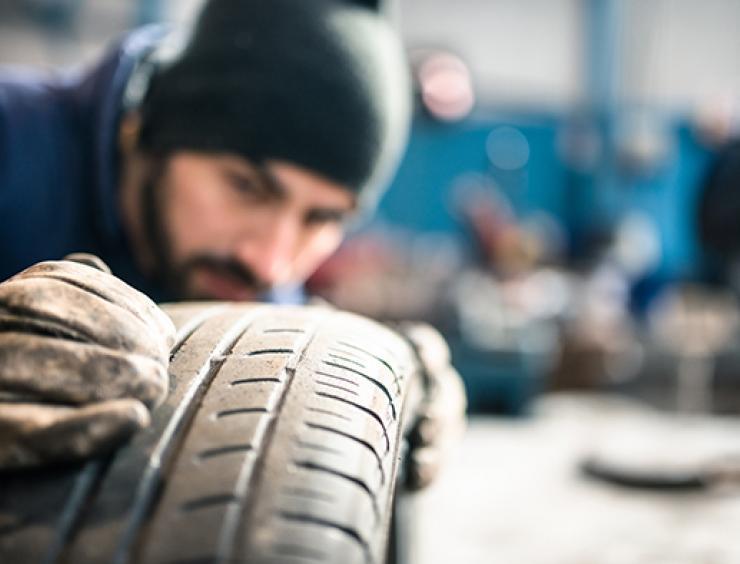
pixel 280 441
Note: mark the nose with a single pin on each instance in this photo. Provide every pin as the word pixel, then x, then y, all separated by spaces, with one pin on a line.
pixel 270 250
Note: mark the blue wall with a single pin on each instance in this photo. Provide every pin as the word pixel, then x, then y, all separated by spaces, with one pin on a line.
pixel 438 154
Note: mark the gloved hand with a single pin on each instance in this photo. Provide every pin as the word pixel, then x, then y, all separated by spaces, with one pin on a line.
pixel 441 421
pixel 82 357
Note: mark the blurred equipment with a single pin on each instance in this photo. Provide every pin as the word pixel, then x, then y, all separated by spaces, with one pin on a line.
pixel 696 325
pixel 445 84
pixel 717 119
pixel 501 245
pixel 720 473
pixel 644 449
pixel 504 343
pixel 718 216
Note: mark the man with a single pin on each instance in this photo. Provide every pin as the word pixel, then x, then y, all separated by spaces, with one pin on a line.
pixel 219 163
pixel 283 106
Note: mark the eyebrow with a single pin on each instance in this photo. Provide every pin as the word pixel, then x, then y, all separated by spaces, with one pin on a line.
pixel 327 214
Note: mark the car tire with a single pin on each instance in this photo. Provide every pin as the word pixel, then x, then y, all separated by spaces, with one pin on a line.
pixel 280 442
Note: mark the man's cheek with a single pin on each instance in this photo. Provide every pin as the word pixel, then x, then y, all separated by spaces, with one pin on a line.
pixel 326 243
pixel 315 255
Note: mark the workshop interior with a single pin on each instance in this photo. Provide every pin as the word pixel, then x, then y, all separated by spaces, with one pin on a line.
pixel 567 214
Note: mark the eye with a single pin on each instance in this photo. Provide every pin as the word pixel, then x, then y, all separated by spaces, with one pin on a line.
pixel 318 217
pixel 243 183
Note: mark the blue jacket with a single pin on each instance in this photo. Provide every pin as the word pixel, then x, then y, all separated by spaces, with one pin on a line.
pixel 59 163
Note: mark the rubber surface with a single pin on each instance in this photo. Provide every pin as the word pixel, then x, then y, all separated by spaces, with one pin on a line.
pixel 279 442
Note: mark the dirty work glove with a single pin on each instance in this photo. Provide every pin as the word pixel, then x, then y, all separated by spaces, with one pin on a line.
pixel 82 357
pixel 441 418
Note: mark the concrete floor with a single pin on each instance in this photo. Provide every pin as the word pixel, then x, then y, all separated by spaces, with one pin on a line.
pixel 514 494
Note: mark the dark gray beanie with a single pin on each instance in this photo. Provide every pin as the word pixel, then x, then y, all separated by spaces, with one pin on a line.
pixel 319 83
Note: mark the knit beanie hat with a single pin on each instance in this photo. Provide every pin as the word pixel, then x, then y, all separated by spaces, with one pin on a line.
pixel 322 84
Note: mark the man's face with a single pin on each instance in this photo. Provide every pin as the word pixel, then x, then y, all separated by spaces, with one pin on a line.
pixel 229 230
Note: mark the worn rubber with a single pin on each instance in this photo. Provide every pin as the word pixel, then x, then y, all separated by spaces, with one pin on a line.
pixel 279 443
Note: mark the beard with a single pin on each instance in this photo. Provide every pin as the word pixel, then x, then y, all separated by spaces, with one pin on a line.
pixel 176 277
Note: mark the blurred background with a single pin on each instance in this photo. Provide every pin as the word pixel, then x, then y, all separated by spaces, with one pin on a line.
pixel 568 215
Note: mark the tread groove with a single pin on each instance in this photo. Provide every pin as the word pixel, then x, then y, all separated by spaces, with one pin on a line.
pixel 345 359
pixel 226 449
pixel 209 501
pixel 308 465
pixel 320 448
pixel 241 381
pixel 312 494
pixel 377 383
pixel 270 351
pixel 350 532
pixel 379 359
pixel 335 377
pixel 366 410
pixel 74 507
pixel 363 442
pixel 334 386
pixel 240 411
pixel 328 412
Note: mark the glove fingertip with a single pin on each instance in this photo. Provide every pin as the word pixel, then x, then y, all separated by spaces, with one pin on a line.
pixel 109 424
pixel 170 331
pixel 424 468
pixel 89 260
pixel 136 412
pixel 157 385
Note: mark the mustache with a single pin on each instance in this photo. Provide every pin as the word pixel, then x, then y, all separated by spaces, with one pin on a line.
pixel 228 267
